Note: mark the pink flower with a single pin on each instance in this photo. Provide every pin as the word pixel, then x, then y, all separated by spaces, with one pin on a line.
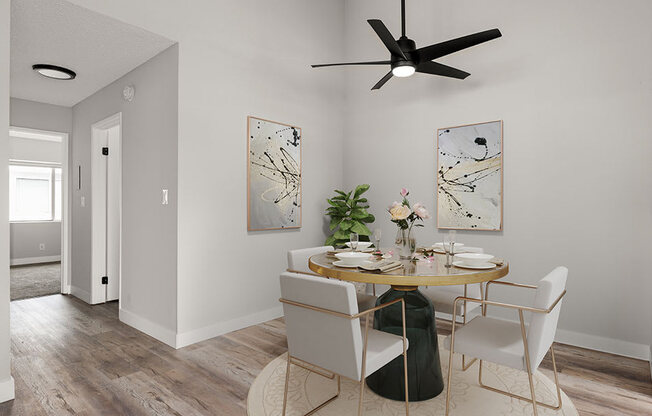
pixel 404 192
pixel 420 211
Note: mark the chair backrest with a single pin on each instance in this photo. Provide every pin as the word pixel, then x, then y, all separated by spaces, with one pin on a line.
pixel 541 332
pixel 298 259
pixel 328 341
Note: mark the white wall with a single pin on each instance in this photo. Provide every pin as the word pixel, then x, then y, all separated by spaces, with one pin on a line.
pixel 573 83
pixel 237 59
pixel 34 150
pixel 6 381
pixel 149 164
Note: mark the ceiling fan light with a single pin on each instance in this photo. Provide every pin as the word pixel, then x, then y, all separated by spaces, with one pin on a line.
pixel 54 72
pixel 403 71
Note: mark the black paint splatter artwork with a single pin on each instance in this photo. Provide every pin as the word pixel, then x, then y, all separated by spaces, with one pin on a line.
pixel 274 159
pixel 469 181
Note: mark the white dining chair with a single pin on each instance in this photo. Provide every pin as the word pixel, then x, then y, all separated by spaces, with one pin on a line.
pixel 325 334
pixel 513 344
pixel 298 263
pixel 443 299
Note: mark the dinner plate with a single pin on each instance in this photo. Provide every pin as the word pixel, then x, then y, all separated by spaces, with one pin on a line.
pixel 462 265
pixel 340 263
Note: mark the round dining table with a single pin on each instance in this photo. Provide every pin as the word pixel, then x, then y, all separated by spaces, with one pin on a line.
pixel 425 379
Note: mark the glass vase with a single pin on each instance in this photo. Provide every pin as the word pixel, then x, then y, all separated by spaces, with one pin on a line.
pixel 406 243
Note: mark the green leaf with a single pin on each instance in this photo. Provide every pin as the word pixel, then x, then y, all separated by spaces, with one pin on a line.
pixel 334 223
pixel 359 213
pixel 342 235
pixel 362 200
pixel 368 219
pixel 360 189
pixel 342 193
pixel 346 225
pixel 337 204
pixel 338 198
pixel 360 228
pixel 330 241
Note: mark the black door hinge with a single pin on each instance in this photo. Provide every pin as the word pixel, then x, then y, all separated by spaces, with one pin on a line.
pixel 105 280
pixel 105 151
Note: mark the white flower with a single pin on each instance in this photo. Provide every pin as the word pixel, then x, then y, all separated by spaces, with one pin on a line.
pixel 400 212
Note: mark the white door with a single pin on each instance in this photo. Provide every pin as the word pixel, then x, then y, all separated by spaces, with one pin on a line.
pixel 106 202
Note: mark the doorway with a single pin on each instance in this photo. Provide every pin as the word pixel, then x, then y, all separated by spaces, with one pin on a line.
pixel 39 213
pixel 106 213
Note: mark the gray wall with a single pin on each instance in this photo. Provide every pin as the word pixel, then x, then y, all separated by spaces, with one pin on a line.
pixel 575 95
pixel 227 277
pixel 6 382
pixel 149 164
pixel 41 116
pixel 26 237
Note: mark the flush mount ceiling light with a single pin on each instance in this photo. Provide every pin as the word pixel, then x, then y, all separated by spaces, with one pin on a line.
pixel 54 72
pixel 405 59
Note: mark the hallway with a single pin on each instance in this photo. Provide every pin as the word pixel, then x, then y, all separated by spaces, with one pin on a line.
pixel 71 358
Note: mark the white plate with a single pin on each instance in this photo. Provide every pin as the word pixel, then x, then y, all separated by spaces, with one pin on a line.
pixel 463 265
pixel 340 263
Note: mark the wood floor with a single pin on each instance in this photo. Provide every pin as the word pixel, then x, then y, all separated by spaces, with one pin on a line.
pixel 73 359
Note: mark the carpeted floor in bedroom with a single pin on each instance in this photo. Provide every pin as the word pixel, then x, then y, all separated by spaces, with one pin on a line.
pixel 34 280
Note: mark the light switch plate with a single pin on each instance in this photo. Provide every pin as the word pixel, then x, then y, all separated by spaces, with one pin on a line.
pixel 82 201
pixel 164 197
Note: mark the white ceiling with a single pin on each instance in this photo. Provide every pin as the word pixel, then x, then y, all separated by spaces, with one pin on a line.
pixel 98 48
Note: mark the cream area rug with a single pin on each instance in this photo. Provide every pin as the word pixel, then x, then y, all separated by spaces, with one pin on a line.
pixel 307 390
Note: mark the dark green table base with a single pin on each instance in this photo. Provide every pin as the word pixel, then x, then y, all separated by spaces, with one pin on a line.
pixel 425 380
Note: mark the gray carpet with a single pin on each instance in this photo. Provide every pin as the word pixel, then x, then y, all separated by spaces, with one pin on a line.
pixel 32 281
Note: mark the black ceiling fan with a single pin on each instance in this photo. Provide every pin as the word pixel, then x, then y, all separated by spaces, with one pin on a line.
pixel 406 59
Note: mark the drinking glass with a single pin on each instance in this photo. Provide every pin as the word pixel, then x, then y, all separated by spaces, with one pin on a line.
pixel 376 237
pixel 449 246
pixel 353 238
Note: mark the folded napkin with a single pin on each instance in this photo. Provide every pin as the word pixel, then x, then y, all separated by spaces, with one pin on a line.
pixel 382 266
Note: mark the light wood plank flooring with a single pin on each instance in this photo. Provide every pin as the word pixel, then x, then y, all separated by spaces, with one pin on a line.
pixel 71 358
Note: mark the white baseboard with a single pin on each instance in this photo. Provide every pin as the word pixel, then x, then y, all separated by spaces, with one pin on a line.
pixel 592 342
pixel 221 328
pixel 7 390
pixel 610 345
pixel 81 294
pixel 150 328
pixel 34 260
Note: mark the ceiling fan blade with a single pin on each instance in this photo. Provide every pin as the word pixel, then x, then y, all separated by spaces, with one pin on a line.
pixel 353 63
pixel 435 68
pixel 428 53
pixel 386 37
pixel 382 81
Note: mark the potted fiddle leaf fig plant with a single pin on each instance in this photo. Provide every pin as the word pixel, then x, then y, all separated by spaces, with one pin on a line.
pixel 348 212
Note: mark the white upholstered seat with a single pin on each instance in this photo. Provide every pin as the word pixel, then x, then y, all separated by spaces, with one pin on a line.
pixel 443 297
pixel 324 330
pixel 298 263
pixel 514 344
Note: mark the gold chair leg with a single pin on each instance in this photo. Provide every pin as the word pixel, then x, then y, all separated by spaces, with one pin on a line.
pixel 450 363
pixel 405 369
pixel 287 381
pixel 361 397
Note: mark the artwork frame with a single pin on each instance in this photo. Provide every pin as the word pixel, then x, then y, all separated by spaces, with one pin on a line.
pixel 494 192
pixel 292 155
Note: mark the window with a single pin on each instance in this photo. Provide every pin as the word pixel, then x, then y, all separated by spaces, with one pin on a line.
pixel 34 193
